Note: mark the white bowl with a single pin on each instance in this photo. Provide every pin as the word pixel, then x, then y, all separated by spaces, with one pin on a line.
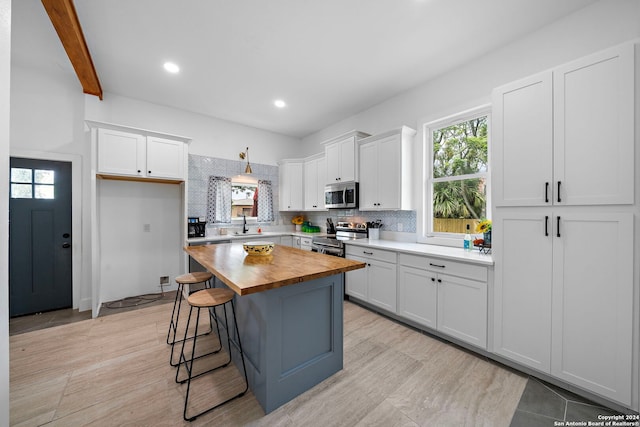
pixel 258 248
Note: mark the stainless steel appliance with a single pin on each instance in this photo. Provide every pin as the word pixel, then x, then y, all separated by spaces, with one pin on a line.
pixel 343 195
pixel 195 227
pixel 334 244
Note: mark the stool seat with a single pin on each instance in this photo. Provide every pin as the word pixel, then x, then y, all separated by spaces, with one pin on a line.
pixel 186 283
pixel 193 278
pixel 210 297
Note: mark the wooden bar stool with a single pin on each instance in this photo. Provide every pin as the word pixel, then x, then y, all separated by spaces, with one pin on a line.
pixel 209 299
pixel 184 287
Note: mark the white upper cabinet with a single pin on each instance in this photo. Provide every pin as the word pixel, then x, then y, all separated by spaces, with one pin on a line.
pixel 342 157
pixel 594 129
pixel 291 178
pixel 385 170
pixel 162 158
pixel 121 153
pixel 522 143
pixel 126 154
pixel 315 172
pixel 565 137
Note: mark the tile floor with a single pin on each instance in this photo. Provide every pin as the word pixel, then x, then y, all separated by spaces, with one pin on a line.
pixel 540 405
pixel 543 404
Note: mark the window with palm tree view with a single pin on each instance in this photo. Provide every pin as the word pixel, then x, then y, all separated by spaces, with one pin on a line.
pixel 458 182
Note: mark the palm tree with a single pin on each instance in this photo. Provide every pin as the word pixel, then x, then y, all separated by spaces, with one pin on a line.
pixel 460 150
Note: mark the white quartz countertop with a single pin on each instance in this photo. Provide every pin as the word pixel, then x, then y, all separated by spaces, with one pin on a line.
pixel 233 236
pixel 458 254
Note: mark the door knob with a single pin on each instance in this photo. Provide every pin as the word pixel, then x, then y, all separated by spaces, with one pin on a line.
pixel 66 245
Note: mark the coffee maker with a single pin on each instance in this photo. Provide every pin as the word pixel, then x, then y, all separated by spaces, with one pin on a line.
pixel 196 227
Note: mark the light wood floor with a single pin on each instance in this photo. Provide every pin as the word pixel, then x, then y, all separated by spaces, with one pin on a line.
pixel 114 371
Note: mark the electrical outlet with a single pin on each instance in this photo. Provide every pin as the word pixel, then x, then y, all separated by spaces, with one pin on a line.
pixel 146 228
pixel 164 280
pixel 400 226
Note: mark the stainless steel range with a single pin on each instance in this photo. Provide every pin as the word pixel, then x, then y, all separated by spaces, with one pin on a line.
pixel 334 244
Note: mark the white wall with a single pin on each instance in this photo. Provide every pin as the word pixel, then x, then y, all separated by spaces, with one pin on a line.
pixel 210 136
pixel 5 72
pixel 594 28
pixel 131 258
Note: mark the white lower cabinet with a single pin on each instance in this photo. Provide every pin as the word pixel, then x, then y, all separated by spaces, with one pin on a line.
pixel 286 240
pixel 462 309
pixel 376 283
pixel 448 296
pixel 564 296
pixel 417 295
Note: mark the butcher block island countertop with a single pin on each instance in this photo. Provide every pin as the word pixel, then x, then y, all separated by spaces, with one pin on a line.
pixel 248 274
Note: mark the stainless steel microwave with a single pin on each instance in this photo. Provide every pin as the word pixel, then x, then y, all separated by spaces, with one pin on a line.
pixel 341 196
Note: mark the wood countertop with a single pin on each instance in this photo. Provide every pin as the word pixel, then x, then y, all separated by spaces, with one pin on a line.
pixel 247 274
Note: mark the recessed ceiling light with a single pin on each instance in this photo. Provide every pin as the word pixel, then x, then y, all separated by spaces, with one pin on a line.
pixel 171 67
pixel 279 103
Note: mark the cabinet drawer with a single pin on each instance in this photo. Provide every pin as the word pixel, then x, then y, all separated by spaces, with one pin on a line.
pixel 439 265
pixel 306 241
pixel 376 254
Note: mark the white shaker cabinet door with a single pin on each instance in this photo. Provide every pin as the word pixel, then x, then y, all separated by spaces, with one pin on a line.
pixel 121 153
pixel 417 295
pixel 389 170
pixel 594 129
pixel 462 309
pixel 356 280
pixel 593 303
pixel 165 158
pixel 382 284
pixel 369 172
pixel 523 287
pixel 522 142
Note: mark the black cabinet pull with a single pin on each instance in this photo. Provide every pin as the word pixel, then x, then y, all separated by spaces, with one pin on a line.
pixel 436 265
pixel 546 192
pixel 367 253
pixel 439 280
pixel 433 279
pixel 558 226
pixel 139 171
pixel 559 192
pixel 546 225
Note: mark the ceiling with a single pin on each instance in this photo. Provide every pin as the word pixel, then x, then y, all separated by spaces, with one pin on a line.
pixel 327 59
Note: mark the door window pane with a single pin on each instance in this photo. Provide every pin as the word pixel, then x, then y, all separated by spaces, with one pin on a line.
pixel 43 176
pixel 21 191
pixel 44 191
pixel 20 175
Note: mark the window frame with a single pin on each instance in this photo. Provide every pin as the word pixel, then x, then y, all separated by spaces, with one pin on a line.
pixel 427 234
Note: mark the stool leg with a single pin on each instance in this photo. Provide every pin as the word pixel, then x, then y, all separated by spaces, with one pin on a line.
pixel 244 367
pixel 173 325
pixel 183 359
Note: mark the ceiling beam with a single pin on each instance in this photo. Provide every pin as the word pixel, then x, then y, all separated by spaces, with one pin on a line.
pixel 65 20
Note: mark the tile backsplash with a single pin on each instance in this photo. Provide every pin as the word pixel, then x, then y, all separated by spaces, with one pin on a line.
pixel 201 167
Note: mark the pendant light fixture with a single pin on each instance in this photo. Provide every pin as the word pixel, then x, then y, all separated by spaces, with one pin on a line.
pixel 245 155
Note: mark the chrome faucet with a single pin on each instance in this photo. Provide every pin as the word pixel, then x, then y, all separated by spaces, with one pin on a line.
pixel 244 225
